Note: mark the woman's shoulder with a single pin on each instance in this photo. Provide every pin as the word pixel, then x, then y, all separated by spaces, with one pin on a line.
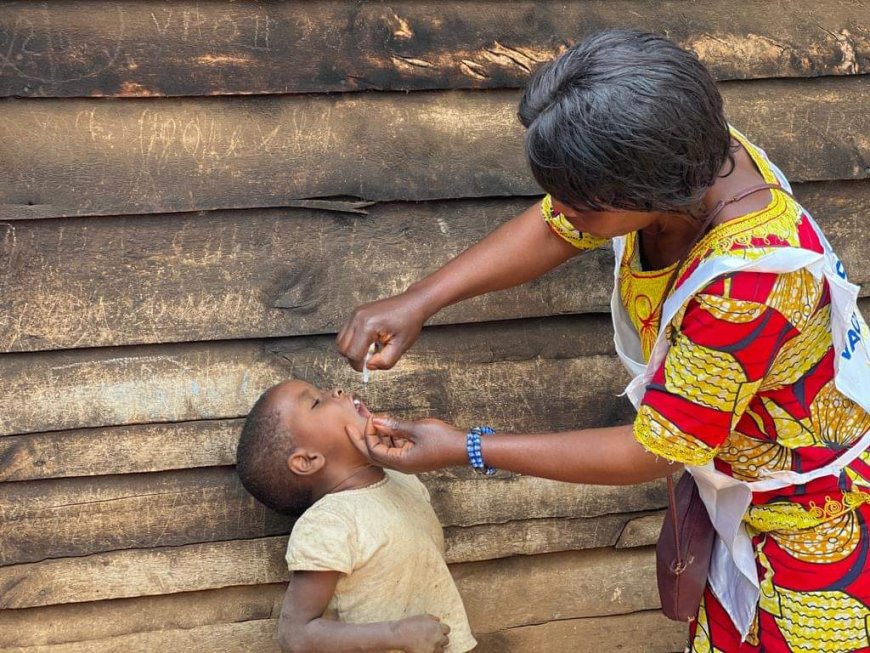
pixel 565 230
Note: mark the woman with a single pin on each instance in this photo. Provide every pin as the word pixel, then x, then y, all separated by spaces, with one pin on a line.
pixel 731 311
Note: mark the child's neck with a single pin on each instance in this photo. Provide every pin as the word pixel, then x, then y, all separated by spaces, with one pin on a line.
pixel 352 479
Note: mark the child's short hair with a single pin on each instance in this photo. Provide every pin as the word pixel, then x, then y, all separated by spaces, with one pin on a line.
pixel 625 120
pixel 261 461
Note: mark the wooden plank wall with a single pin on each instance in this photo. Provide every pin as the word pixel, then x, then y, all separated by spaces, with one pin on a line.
pixel 193 195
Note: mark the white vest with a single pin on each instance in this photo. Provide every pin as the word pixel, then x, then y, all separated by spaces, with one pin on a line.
pixel 733 577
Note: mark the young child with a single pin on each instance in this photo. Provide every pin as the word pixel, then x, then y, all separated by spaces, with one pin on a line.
pixel 366 555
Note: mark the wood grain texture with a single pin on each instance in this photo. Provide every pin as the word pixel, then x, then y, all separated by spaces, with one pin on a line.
pixel 535 536
pixel 189 48
pixel 81 282
pixel 641 531
pixel 241 637
pixel 508 374
pixel 640 632
pixel 571 584
pixel 83 516
pixel 102 620
pixel 76 622
pixel 207 566
pixel 93 157
pixel 465 373
pixel 119 450
pixel 589 635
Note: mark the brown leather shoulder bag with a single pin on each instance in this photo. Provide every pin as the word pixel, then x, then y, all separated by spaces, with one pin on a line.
pixel 683 551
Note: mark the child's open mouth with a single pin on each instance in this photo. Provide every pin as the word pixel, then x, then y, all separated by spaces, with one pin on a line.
pixel 361 407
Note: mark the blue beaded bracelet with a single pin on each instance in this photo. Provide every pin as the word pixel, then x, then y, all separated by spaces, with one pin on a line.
pixel 472 446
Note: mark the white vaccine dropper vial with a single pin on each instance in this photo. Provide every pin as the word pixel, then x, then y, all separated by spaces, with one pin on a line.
pixel 365 371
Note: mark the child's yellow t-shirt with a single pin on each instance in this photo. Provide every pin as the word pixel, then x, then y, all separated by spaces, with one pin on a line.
pixel 388 544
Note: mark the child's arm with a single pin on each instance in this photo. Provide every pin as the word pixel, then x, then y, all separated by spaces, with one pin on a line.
pixel 302 627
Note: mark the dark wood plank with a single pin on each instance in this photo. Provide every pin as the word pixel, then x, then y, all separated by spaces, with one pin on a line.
pixel 82 516
pixel 240 637
pixel 142 572
pixel 641 531
pixel 466 373
pixel 91 388
pixel 189 48
pixel 543 535
pixel 648 631
pixel 77 622
pixel 93 157
pixel 119 450
pixel 574 584
pixel 535 589
pixel 641 632
pixel 262 273
pixel 151 510
pixel 81 282
pixel 100 620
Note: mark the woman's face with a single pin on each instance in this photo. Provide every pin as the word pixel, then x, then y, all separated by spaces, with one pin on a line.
pixel 608 223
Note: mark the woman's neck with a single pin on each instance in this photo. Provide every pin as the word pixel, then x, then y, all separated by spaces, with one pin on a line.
pixel 744 176
pixel 665 240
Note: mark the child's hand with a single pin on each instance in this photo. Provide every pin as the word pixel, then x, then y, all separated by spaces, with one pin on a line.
pixel 424 634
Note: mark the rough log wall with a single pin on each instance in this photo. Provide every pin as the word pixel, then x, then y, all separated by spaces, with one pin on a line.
pixel 186 218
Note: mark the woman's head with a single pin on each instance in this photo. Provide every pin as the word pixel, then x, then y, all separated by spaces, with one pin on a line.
pixel 625 120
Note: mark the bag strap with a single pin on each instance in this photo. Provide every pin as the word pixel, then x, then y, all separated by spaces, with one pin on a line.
pixel 679 565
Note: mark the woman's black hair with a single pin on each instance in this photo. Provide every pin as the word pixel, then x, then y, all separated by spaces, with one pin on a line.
pixel 625 120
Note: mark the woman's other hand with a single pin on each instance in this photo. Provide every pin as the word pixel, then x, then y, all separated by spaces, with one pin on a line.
pixel 412 447
pixel 394 323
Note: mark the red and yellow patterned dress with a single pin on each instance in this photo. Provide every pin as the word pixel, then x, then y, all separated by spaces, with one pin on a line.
pixel 749 383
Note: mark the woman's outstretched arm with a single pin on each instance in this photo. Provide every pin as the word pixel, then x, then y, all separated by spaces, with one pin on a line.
pixel 599 456
pixel 522 249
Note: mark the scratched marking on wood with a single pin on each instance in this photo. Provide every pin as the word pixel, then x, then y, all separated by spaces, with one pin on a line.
pixel 188 48
pixel 231 275
pixel 92 157
pixel 83 282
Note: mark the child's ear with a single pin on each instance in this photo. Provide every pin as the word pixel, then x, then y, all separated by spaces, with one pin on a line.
pixel 303 462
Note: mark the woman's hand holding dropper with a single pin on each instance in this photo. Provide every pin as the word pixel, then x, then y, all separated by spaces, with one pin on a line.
pixel 519 250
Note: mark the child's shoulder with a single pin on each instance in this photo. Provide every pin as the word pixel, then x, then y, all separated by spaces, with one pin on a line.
pixel 324 515
pixel 322 540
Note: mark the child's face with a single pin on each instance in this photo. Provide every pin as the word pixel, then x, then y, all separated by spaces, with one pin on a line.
pixel 319 419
